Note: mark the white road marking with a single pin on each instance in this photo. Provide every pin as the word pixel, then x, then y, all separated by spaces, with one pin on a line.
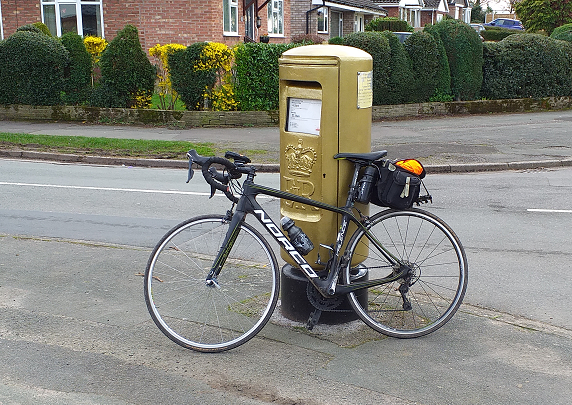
pixel 130 190
pixel 544 210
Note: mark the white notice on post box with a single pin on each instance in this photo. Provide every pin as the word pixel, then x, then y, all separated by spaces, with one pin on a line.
pixel 364 89
pixel 304 116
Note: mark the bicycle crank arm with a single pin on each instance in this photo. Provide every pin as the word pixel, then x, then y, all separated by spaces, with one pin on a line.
pixel 345 288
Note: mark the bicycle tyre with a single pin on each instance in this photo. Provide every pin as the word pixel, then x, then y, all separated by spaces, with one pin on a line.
pixel 437 287
pixel 211 318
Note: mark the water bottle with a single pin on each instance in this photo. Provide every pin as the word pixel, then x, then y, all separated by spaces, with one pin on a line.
pixel 298 238
pixel 364 185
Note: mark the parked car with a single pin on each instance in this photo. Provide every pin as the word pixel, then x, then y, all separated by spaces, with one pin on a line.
pixel 402 36
pixel 505 23
pixel 479 28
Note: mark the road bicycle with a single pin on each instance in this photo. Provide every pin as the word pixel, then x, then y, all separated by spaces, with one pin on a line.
pixel 212 282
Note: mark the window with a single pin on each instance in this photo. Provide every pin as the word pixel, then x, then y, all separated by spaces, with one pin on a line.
pixel 230 17
pixel 84 17
pixel 276 17
pixel 323 20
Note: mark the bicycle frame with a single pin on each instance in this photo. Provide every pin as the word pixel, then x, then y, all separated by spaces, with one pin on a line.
pixel 247 204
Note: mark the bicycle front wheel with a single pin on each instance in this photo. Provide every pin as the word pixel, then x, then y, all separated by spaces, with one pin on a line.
pixel 431 294
pixel 207 317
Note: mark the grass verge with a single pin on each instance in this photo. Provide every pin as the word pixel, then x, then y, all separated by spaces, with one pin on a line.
pixel 104 146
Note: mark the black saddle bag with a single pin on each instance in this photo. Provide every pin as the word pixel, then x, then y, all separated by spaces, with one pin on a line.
pixel 395 187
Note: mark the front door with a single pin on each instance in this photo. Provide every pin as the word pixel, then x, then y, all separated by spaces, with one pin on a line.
pixel 249 22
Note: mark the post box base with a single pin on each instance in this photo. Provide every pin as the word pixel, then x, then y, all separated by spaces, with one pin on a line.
pixel 296 306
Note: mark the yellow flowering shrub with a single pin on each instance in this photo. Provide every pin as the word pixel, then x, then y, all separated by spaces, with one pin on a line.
pixel 219 57
pixel 167 95
pixel 141 100
pixel 95 46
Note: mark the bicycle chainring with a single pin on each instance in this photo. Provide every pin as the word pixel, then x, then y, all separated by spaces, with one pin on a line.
pixel 322 303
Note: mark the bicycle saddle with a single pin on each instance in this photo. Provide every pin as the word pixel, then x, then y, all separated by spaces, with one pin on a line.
pixel 367 157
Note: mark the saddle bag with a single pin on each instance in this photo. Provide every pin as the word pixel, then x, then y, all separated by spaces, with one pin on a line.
pixel 398 183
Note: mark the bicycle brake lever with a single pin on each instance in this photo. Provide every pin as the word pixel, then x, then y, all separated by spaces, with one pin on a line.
pixel 213 189
pixel 191 172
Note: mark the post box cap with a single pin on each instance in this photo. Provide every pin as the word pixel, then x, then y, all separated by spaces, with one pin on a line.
pixel 327 51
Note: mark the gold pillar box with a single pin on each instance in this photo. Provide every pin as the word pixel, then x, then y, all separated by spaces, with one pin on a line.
pixel 325 108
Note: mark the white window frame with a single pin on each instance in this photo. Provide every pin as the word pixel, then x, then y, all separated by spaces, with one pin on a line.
pixel 359 22
pixel 78 4
pixel 326 20
pixel 276 13
pixel 227 10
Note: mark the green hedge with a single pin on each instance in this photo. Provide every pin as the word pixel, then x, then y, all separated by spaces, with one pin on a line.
pixel 77 84
pixel 189 82
pixel 563 33
pixel 527 65
pixel 256 77
pixel 388 24
pixel 429 65
pixel 465 56
pixel 32 68
pixel 497 33
pixel 377 45
pixel 126 73
pixel 400 84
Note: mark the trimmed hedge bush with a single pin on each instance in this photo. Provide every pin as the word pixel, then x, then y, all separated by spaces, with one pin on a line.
pixel 188 81
pixel 77 84
pixel 256 77
pixel 527 65
pixel 429 66
pixel 400 84
pixel 389 24
pixel 127 76
pixel 497 33
pixel 465 56
pixel 32 68
pixel 377 45
pixel 563 33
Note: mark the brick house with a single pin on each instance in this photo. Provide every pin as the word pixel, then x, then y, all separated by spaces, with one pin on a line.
pixel 419 13
pixel 189 21
pixel 460 10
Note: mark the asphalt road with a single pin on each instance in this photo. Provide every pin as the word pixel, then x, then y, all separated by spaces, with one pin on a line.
pixel 74 328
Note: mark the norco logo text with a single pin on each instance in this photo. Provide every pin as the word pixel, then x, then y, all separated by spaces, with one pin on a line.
pixel 273 229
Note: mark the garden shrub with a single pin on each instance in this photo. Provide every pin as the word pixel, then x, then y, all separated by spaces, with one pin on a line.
pixel 77 81
pixel 219 57
pixel 29 28
pixel 32 69
pixel 128 78
pixel 43 27
pixel 497 33
pixel 464 51
pixel 167 95
pixel 377 45
pixel 336 41
pixel 256 77
pixel 563 33
pixel 389 24
pixel 401 80
pixel 427 66
pixel 527 65
pixel 190 83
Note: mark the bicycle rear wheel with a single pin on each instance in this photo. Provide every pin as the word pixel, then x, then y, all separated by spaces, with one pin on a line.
pixel 211 318
pixel 435 287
